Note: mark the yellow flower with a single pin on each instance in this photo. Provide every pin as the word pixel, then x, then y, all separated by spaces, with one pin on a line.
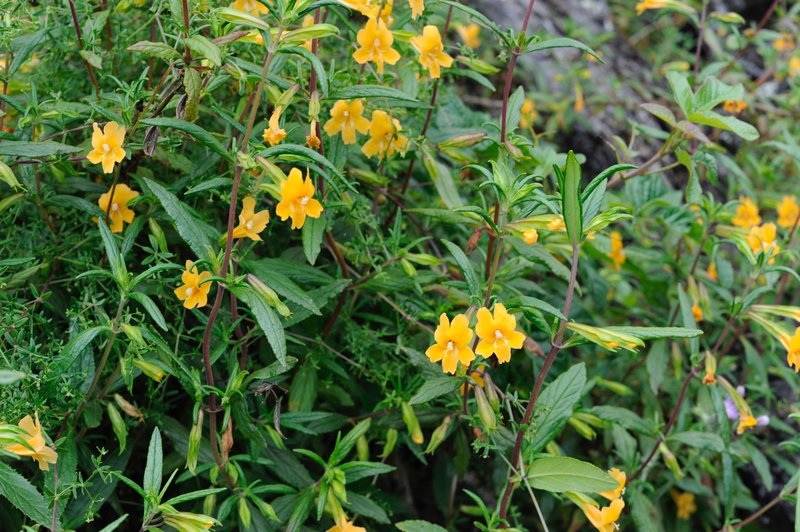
pixel 312 140
pixel 431 51
pixel 646 5
pixel 347 118
pixel 709 377
pixel 604 519
pixel 39 451
pixel 685 503
pixel 788 211
pixel 746 421
pixel 375 41
pixel 107 146
pixel 531 236
pixel 297 199
pixel 118 212
pixel 697 312
pixel 193 292
pixel 385 138
pixel 620 477
pixel 497 333
pixel 274 134
pixel 792 345
pixel 734 106
pixel 712 271
pixel 556 224
pixel 254 7
pixel 794 66
pixel 251 223
pixel 746 214
pixel 452 343
pixel 784 43
pixel 527 114
pixel 308 21
pixel 616 253
pixel 762 238
pixel 417 7
pixel 371 8
pixel 470 34
pixel 343 525
pixel 580 102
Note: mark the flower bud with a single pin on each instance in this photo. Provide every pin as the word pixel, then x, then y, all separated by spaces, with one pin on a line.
pixel 439 435
pixel 412 423
pixel 670 461
pixel 391 440
pixel 485 411
pixel 362 448
pixel 244 513
pixel 491 392
pixel 158 234
pixel 128 408
pixel 210 504
pixel 582 428
pixel 149 369
pixel 195 437
pixel 463 141
pixel 118 424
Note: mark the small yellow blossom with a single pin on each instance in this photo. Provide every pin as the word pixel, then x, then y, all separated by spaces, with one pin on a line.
pixel 616 254
pixel 530 236
pixel 734 106
pixel 604 519
pixel 556 224
pixel 709 377
pixel 746 214
pixel 685 503
pixel 498 334
pixel 746 421
pixel 373 8
pixel 312 140
pixel 385 138
pixel 107 146
pixel 580 102
pixel 274 134
pixel 712 271
pixel 792 345
pixel 646 5
pixel 452 343
pixel 431 51
pixel 347 118
pixel 788 211
pixel 308 21
pixel 251 223
pixel 470 35
pixel 118 211
pixel 527 114
pixel 193 292
pixel 762 238
pixel 417 7
pixel 794 66
pixel 697 312
pixel 297 199
pixel 343 525
pixel 784 43
pixel 254 7
pixel 621 478
pixel 375 41
pixel 39 451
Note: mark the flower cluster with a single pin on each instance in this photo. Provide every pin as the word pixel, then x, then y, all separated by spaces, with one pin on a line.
pixel 604 519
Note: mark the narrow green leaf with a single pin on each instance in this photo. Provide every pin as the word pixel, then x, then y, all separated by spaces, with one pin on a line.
pixel 352 92
pixel 267 320
pixel 33 150
pixel 153 469
pixel 203 137
pixel 77 344
pixel 434 388
pixel 155 49
pixel 555 406
pixel 151 308
pixel 561 42
pixel 558 474
pixel 186 225
pixel 570 200
pixel 471 278
pixel 204 48
pixel 313 231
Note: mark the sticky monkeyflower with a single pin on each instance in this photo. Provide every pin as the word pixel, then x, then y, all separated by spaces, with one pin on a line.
pixel 734 106
pixel 616 254
pixel 274 133
pixel 685 503
pixel 343 525
pixel 254 7
pixel 312 140
pixel 497 333
pixel 746 214
pixel 452 343
pixel 604 519
pixel 646 5
pixel 39 451
pixel 297 199
pixel 746 421
pixel 347 118
pixel 762 238
pixel 385 138
pixel 697 312
pixel 709 377
pixel 527 113
pixel 788 212
pixel 431 51
pixel 784 43
pixel 375 44
pixel 193 292
pixel 118 212
pixel 621 478
pixel 792 345
pixel 530 236
pixel 107 146
pixel 711 271
pixel 556 224
pixel 417 7
pixel 251 223
pixel 372 8
pixel 794 67
pixel 470 35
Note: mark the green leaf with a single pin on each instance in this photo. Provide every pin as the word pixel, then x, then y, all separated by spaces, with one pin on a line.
pixel 313 231
pixel 534 303
pixel 724 122
pixel 355 471
pixel 601 177
pixel 34 150
pixel 155 49
pixel 471 278
pixel 352 92
pixel 92 58
pixel 8 177
pixel 346 444
pixel 273 370
pixel 294 152
pixel 661 112
pixel 77 344
pixel 476 15
pixel 700 440
pixel 204 48
pixel 10 376
pixel 192 495
pixel 112 526
pixel 201 135
pixel 300 510
pixel 558 474
pixel 624 418
pixel 681 91
pixel 655 333
pixel 115 259
pixel 554 407
pixel 242 18
pixel 151 308
pixel 442 179
pixel 118 425
pixel 361 505
pixel 434 388
pixel 515 103
pixel 570 200
pixel 316 64
pixel 417 525
pixel 24 496
pixel 267 320
pixel 154 466
pixel 713 92
pixel 187 226
pixel 561 42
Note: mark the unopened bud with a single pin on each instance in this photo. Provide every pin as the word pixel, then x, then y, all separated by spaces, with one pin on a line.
pixel 485 411
pixel 412 423
pixel 391 440
pixel 439 435
pixel 362 448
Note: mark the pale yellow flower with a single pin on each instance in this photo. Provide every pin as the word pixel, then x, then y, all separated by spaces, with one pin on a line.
pixel 107 146
pixel 39 451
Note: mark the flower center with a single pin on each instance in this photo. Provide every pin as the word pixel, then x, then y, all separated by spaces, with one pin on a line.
pixel 106 148
pixel 114 207
pixel 376 43
pixel 450 345
pixel 189 291
pixel 304 201
pixel 346 113
pixel 249 224
pixel 498 334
